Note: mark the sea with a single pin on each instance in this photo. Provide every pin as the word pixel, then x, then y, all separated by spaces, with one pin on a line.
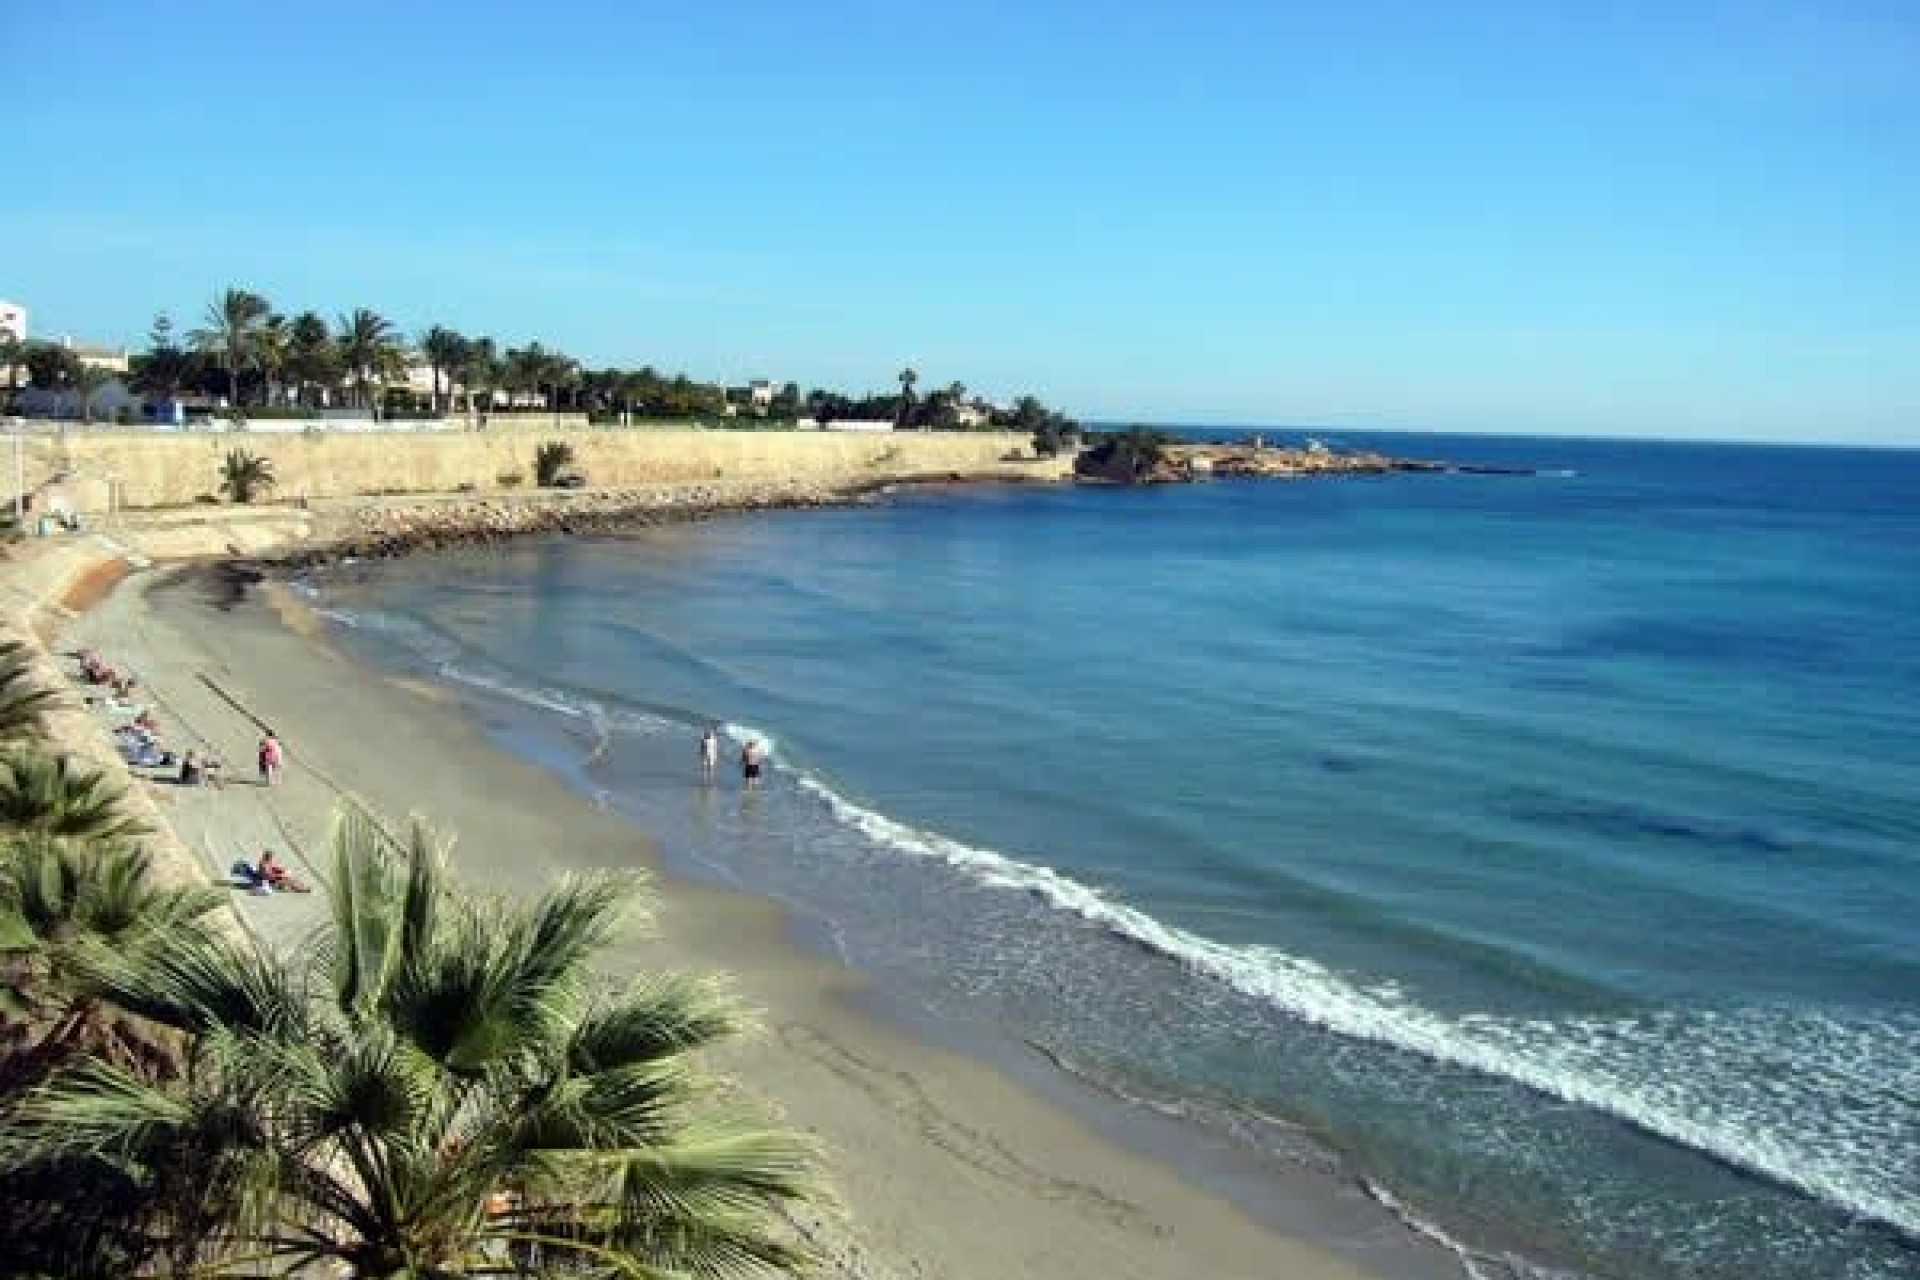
pixel 1540 853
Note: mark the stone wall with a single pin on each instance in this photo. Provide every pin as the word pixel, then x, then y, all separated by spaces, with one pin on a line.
pixel 144 469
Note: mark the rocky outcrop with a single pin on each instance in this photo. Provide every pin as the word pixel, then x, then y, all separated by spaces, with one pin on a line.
pixel 393 527
pixel 1248 460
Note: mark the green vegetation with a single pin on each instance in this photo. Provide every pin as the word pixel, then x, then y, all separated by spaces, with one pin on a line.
pixel 261 362
pixel 44 793
pixel 1129 456
pixel 244 476
pixel 22 700
pixel 549 460
pixel 438 1085
pixel 230 337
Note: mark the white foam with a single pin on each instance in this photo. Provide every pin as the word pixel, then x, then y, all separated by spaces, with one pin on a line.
pixel 1782 1099
pixel 1473 1263
pixel 741 734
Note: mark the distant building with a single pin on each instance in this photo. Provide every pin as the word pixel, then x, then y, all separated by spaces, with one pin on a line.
pixel 756 398
pixel 13 321
pixel 110 359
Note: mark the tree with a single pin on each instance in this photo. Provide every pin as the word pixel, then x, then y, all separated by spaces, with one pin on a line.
pixel 165 367
pixel 60 902
pixel 1054 434
pixel 480 370
pixel 549 460
pixel 437 1088
pixel 50 365
pixel 243 475
pixel 233 321
pixel 444 350
pixel 313 360
pixel 369 351
pixel 272 348
pixel 23 699
pixel 904 414
pixel 63 903
pixel 49 794
pixel 1129 456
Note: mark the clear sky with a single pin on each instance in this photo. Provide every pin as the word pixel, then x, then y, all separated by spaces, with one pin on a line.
pixel 1630 219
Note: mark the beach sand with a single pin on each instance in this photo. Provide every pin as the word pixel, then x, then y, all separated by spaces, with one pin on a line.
pixel 944 1165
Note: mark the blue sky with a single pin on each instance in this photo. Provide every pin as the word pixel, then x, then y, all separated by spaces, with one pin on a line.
pixel 1682 219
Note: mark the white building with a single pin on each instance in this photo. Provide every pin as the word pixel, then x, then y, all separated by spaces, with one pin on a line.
pixel 13 320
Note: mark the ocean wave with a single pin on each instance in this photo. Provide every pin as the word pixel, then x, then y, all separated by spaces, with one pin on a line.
pixel 1776 1092
pixel 741 734
pixel 410 634
pixel 1475 1264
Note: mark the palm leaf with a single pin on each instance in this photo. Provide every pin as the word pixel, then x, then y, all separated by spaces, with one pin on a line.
pixel 55 795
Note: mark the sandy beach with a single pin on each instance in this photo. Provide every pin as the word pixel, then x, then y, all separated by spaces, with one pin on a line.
pixel 944 1166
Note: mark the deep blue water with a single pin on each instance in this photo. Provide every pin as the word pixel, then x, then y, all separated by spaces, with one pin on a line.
pixel 1547 847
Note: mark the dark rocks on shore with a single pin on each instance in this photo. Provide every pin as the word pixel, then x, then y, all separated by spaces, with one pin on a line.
pixel 385 530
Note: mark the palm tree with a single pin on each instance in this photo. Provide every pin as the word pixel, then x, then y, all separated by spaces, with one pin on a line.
pixel 55 795
pixel 232 323
pixel 23 699
pixel 312 358
pixel 444 350
pixel 272 347
pixel 367 347
pixel 480 370
pixel 436 1087
pixel 908 377
pixel 244 475
pixel 60 902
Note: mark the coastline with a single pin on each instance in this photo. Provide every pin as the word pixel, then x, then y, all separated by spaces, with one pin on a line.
pixel 947 1166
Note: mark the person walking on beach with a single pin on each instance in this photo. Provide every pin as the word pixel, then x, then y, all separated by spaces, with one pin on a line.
pixel 751 759
pixel 710 751
pixel 270 759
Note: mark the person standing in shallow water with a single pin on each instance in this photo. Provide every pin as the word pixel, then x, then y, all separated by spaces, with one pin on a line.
pixel 751 762
pixel 710 751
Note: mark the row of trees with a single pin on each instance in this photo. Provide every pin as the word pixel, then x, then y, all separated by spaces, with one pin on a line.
pixel 249 353
pixel 438 1085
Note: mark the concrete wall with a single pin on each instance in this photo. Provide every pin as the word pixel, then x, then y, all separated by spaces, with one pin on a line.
pixel 154 469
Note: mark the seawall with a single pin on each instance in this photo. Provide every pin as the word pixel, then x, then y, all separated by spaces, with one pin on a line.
pixel 100 470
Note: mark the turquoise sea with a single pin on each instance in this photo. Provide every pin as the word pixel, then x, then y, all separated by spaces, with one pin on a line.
pixel 1541 852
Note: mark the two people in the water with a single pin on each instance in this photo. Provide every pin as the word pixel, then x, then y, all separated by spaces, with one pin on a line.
pixel 753 757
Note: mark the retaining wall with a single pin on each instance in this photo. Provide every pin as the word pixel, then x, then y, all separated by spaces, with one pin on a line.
pixel 148 469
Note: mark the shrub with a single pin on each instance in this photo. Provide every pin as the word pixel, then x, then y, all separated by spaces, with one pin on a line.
pixel 510 479
pixel 244 475
pixel 549 460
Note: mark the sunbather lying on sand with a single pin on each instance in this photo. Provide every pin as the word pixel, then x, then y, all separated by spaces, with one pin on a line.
pixel 268 876
pixel 278 877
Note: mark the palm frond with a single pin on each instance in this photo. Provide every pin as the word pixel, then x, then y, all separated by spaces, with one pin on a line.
pixel 199 984
pixel 55 795
pixel 655 1017
pixel 23 699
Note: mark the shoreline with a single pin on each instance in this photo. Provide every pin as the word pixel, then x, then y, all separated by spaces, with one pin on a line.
pixel 951 1165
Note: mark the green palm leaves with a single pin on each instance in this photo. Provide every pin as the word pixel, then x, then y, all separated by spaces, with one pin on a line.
pixel 23 700
pixel 440 1085
pixel 231 332
pixel 244 476
pixel 53 795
